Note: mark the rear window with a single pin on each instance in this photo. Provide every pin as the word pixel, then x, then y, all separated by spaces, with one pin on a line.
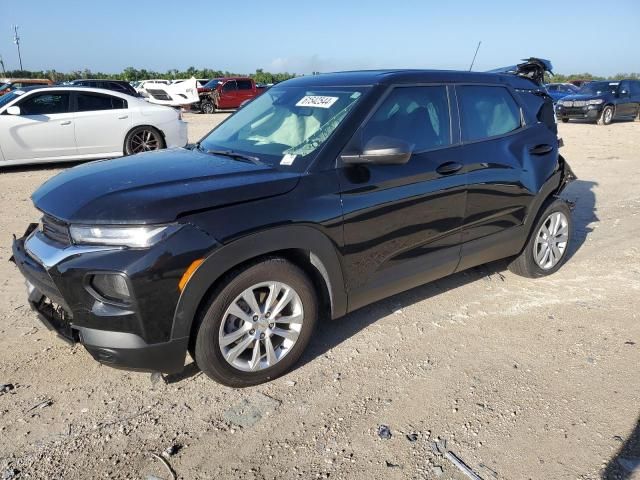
pixel 88 102
pixel 487 112
pixel 244 85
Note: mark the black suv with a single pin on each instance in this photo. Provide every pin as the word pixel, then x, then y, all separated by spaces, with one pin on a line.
pixel 602 102
pixel 115 85
pixel 324 194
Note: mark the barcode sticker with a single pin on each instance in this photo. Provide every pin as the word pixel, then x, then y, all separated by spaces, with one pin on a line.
pixel 317 101
pixel 287 159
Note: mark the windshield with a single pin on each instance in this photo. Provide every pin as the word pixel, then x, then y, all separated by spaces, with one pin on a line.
pixel 8 97
pixel 213 83
pixel 285 123
pixel 5 86
pixel 599 88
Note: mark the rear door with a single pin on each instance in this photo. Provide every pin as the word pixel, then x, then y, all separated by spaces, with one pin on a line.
pixel 102 121
pixel 625 106
pixel 635 95
pixel 245 90
pixel 508 161
pixel 44 130
pixel 402 223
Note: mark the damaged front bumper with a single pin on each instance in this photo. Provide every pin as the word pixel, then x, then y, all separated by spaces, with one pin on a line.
pixel 135 337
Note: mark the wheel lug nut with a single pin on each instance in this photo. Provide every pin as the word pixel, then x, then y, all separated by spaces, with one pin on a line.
pixel 268 314
pixel 255 318
pixel 261 336
pixel 252 331
pixel 271 325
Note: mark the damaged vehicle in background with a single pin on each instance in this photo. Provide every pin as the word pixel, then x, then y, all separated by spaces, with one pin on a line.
pixel 178 94
pixel 324 194
pixel 227 93
pixel 62 123
pixel 602 102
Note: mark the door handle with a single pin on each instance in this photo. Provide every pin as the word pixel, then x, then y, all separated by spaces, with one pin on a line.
pixel 66 122
pixel 448 168
pixel 540 149
pixel 122 117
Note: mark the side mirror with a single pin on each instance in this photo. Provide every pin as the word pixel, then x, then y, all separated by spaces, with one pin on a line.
pixel 14 110
pixel 381 150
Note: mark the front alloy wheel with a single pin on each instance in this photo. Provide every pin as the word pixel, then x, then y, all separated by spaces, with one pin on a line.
pixel 261 326
pixel 256 324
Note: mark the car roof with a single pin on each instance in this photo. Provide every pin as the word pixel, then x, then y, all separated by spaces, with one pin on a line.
pixel 98 80
pixel 104 91
pixel 386 77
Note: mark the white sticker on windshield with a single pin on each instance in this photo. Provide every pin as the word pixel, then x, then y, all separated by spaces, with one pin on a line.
pixel 317 101
pixel 287 159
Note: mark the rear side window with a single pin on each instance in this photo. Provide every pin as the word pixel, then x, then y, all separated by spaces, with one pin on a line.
pixel 88 102
pixel 244 85
pixel 487 112
pixel 45 104
pixel 417 115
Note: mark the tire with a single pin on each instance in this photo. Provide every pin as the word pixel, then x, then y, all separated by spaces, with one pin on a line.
pixel 526 264
pixel 143 139
pixel 606 117
pixel 564 120
pixel 243 331
pixel 208 107
pixel 637 119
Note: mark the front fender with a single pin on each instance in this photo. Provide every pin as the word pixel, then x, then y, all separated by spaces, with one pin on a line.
pixel 323 256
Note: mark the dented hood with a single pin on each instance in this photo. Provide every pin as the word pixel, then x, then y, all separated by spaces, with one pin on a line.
pixel 156 187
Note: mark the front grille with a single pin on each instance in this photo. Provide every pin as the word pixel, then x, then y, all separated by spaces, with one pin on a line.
pixel 158 94
pixel 55 230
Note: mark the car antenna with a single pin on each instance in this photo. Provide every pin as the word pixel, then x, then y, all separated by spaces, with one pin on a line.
pixel 474 55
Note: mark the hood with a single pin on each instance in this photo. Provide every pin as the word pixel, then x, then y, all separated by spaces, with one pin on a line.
pixel 156 187
pixel 585 96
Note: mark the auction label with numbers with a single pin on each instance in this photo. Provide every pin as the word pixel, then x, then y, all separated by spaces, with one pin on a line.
pixel 317 101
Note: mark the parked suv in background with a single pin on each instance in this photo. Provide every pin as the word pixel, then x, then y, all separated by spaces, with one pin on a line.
pixel 115 85
pixel 602 102
pixel 324 194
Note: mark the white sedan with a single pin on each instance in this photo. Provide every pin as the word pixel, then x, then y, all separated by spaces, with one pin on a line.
pixel 54 124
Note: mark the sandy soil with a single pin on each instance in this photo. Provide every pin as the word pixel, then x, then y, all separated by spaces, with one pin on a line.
pixel 521 378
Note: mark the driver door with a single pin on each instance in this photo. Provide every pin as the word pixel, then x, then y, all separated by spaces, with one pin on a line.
pixel 43 131
pixel 402 223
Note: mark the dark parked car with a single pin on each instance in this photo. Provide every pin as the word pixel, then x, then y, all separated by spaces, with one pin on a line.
pixel 324 194
pixel 115 85
pixel 602 102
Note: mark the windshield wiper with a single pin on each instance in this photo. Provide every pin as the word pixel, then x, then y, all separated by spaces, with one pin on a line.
pixel 235 156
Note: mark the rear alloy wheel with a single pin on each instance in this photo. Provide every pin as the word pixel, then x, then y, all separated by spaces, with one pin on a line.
pixel 258 325
pixel 606 117
pixel 207 107
pixel 143 139
pixel 548 244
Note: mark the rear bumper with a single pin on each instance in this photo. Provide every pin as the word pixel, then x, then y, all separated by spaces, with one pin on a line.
pixel 178 135
pixel 119 349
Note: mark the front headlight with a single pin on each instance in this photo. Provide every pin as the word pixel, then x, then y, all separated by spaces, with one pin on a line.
pixel 123 236
pixel 597 101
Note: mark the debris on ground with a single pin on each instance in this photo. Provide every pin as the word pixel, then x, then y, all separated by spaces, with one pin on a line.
pixel 249 411
pixel 412 437
pixel 10 473
pixel 437 470
pixel 157 377
pixel 439 446
pixel 6 387
pixel 384 432
pixel 171 450
pixel 463 467
pixel 166 464
pixel 46 403
pixel 391 465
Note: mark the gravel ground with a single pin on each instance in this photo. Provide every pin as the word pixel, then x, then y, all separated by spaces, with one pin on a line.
pixel 519 378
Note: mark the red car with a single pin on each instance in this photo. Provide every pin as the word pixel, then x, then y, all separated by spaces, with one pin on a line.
pixel 227 93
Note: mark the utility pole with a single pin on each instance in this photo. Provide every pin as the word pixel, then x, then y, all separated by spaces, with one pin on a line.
pixel 16 40
pixel 2 65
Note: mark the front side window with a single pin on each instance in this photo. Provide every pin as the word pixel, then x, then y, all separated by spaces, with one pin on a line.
pixel 416 115
pixel 88 102
pixel 229 86
pixel 487 111
pixel 244 85
pixel 45 104
pixel 285 126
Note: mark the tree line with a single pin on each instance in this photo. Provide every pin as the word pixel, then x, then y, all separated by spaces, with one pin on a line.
pixel 260 76
pixel 131 74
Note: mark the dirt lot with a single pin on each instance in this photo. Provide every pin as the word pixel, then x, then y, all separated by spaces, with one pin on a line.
pixel 523 379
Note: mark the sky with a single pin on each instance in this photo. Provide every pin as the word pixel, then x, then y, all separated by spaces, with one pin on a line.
pixel 299 36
